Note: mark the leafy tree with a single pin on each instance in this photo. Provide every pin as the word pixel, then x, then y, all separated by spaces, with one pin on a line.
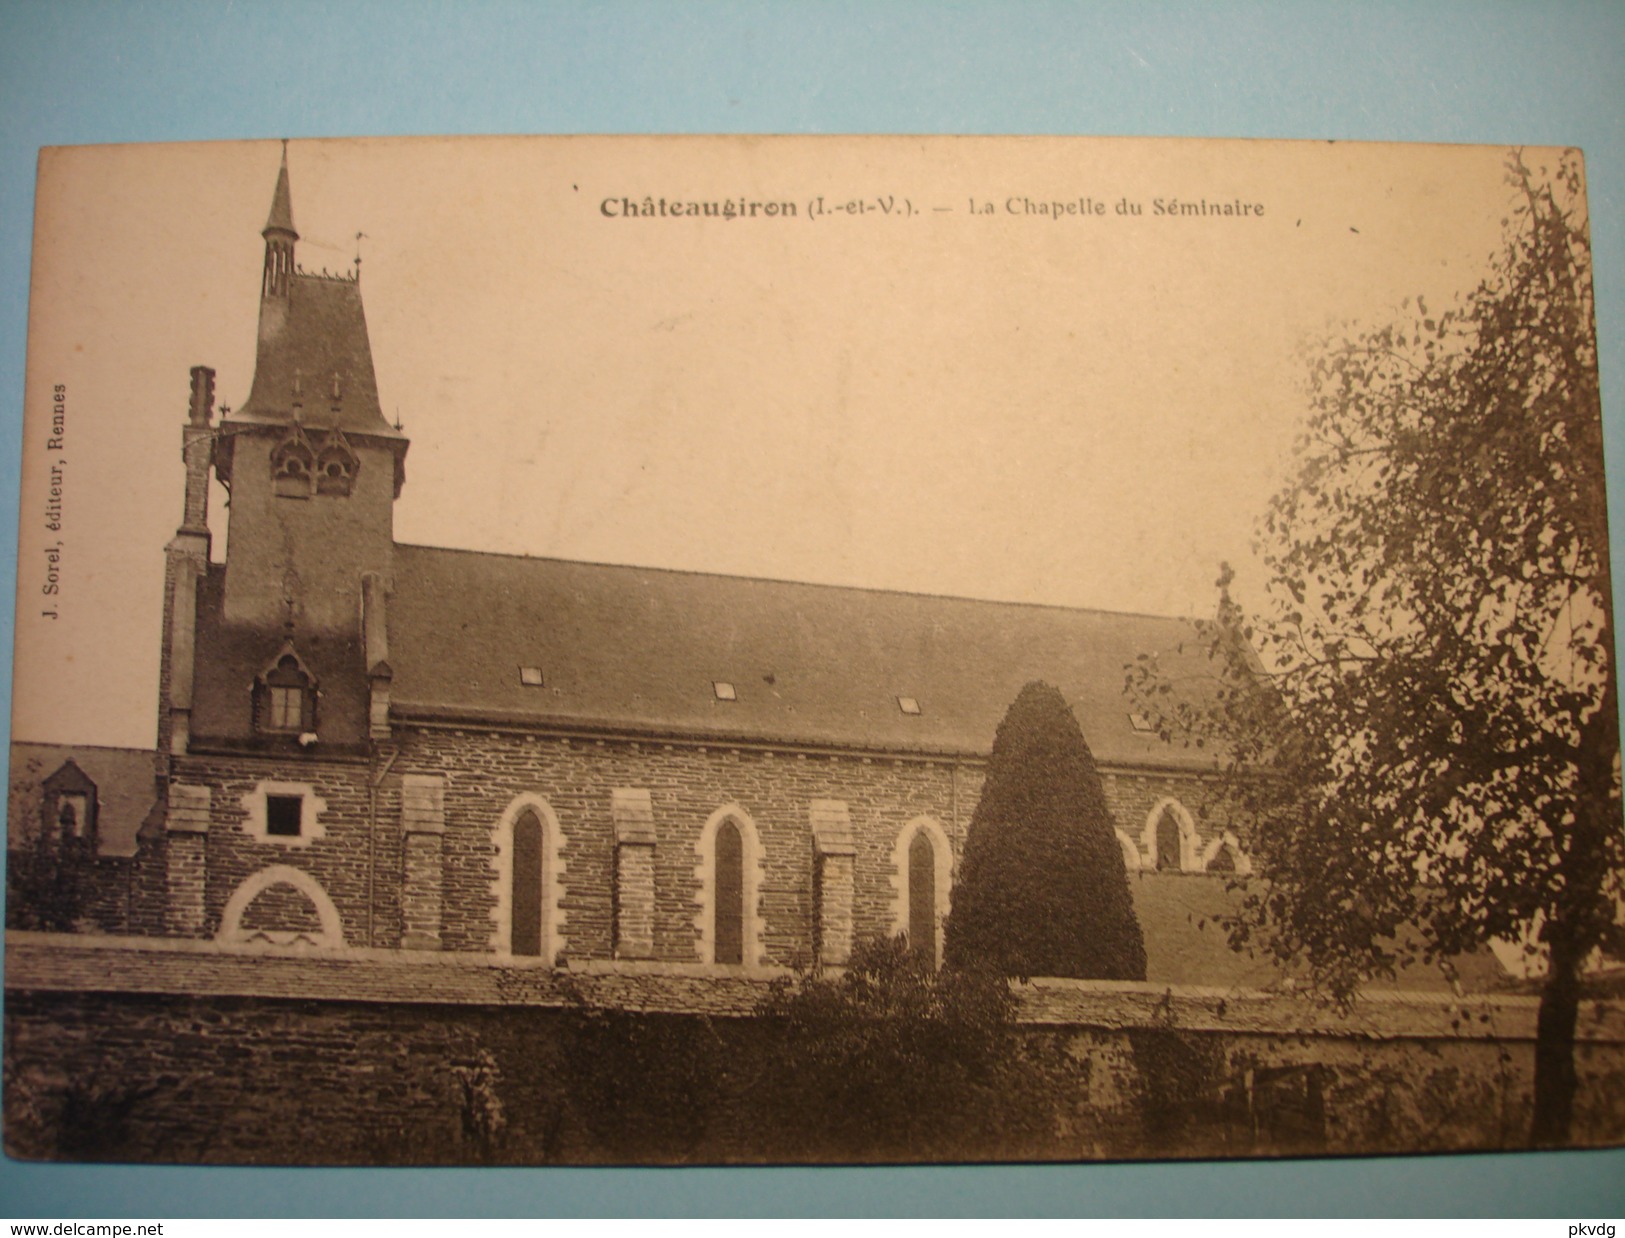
pixel 1043 890
pixel 1423 725
pixel 46 878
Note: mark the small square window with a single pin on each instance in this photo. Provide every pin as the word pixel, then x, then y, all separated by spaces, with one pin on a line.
pixel 724 691
pixel 283 815
pixel 1139 722
pixel 908 705
pixel 530 676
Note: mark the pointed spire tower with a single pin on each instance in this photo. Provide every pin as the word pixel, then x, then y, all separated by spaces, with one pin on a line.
pixel 313 469
pixel 279 237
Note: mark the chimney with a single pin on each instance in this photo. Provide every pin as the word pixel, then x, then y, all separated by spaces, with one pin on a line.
pixel 202 395
pixel 197 450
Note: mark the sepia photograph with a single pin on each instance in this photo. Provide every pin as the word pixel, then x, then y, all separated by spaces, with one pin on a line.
pixel 811 650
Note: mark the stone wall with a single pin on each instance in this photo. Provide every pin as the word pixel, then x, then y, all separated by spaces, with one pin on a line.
pixel 361 857
pixel 1135 795
pixel 394 879
pixel 189 1052
pixel 352 847
pixel 686 784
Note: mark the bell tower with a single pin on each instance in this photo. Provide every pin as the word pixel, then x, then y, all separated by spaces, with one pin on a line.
pixel 313 470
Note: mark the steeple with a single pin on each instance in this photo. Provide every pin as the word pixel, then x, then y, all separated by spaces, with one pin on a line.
pixel 312 465
pixel 314 363
pixel 279 236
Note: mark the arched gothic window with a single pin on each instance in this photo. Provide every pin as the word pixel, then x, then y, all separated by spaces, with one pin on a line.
pixel 922 897
pixel 527 881
pixel 292 465
pixel 1224 855
pixel 1170 844
pixel 728 869
pixel 285 696
pixel 336 466
pixel 1168 841
pixel 730 901
pixel 923 868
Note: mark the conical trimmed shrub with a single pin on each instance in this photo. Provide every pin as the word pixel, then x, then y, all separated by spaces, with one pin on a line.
pixel 1042 889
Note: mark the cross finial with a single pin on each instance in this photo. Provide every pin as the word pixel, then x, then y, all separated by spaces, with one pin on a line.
pixel 290 598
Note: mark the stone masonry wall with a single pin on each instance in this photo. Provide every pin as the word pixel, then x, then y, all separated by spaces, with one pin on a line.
pixel 1133 795
pixel 237 1079
pixel 484 773
pixel 354 859
pixel 363 860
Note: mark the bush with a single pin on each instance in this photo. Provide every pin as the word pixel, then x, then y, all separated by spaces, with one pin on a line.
pixel 894 1061
pixel 644 1087
pixel 45 874
pixel 1042 889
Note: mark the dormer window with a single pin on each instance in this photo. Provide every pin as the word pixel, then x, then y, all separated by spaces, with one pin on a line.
pixel 72 817
pixel 287 707
pixel 336 466
pixel 293 478
pixel 285 697
pixel 69 810
pixel 293 464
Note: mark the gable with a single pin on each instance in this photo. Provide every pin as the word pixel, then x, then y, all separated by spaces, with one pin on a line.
pixel 125 782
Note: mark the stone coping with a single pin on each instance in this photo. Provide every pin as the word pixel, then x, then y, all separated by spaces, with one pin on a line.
pixel 84 963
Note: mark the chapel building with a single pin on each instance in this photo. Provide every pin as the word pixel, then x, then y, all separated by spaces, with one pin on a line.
pixel 364 744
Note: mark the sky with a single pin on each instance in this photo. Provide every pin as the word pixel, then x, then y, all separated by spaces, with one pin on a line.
pixel 952 387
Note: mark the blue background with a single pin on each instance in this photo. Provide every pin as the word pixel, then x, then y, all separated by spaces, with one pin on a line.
pixel 1502 73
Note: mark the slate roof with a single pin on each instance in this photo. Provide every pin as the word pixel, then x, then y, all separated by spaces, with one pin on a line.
pixel 627 648
pixel 126 789
pixel 322 331
pixel 637 649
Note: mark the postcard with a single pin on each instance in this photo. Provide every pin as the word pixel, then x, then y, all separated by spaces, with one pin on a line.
pixel 686 650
